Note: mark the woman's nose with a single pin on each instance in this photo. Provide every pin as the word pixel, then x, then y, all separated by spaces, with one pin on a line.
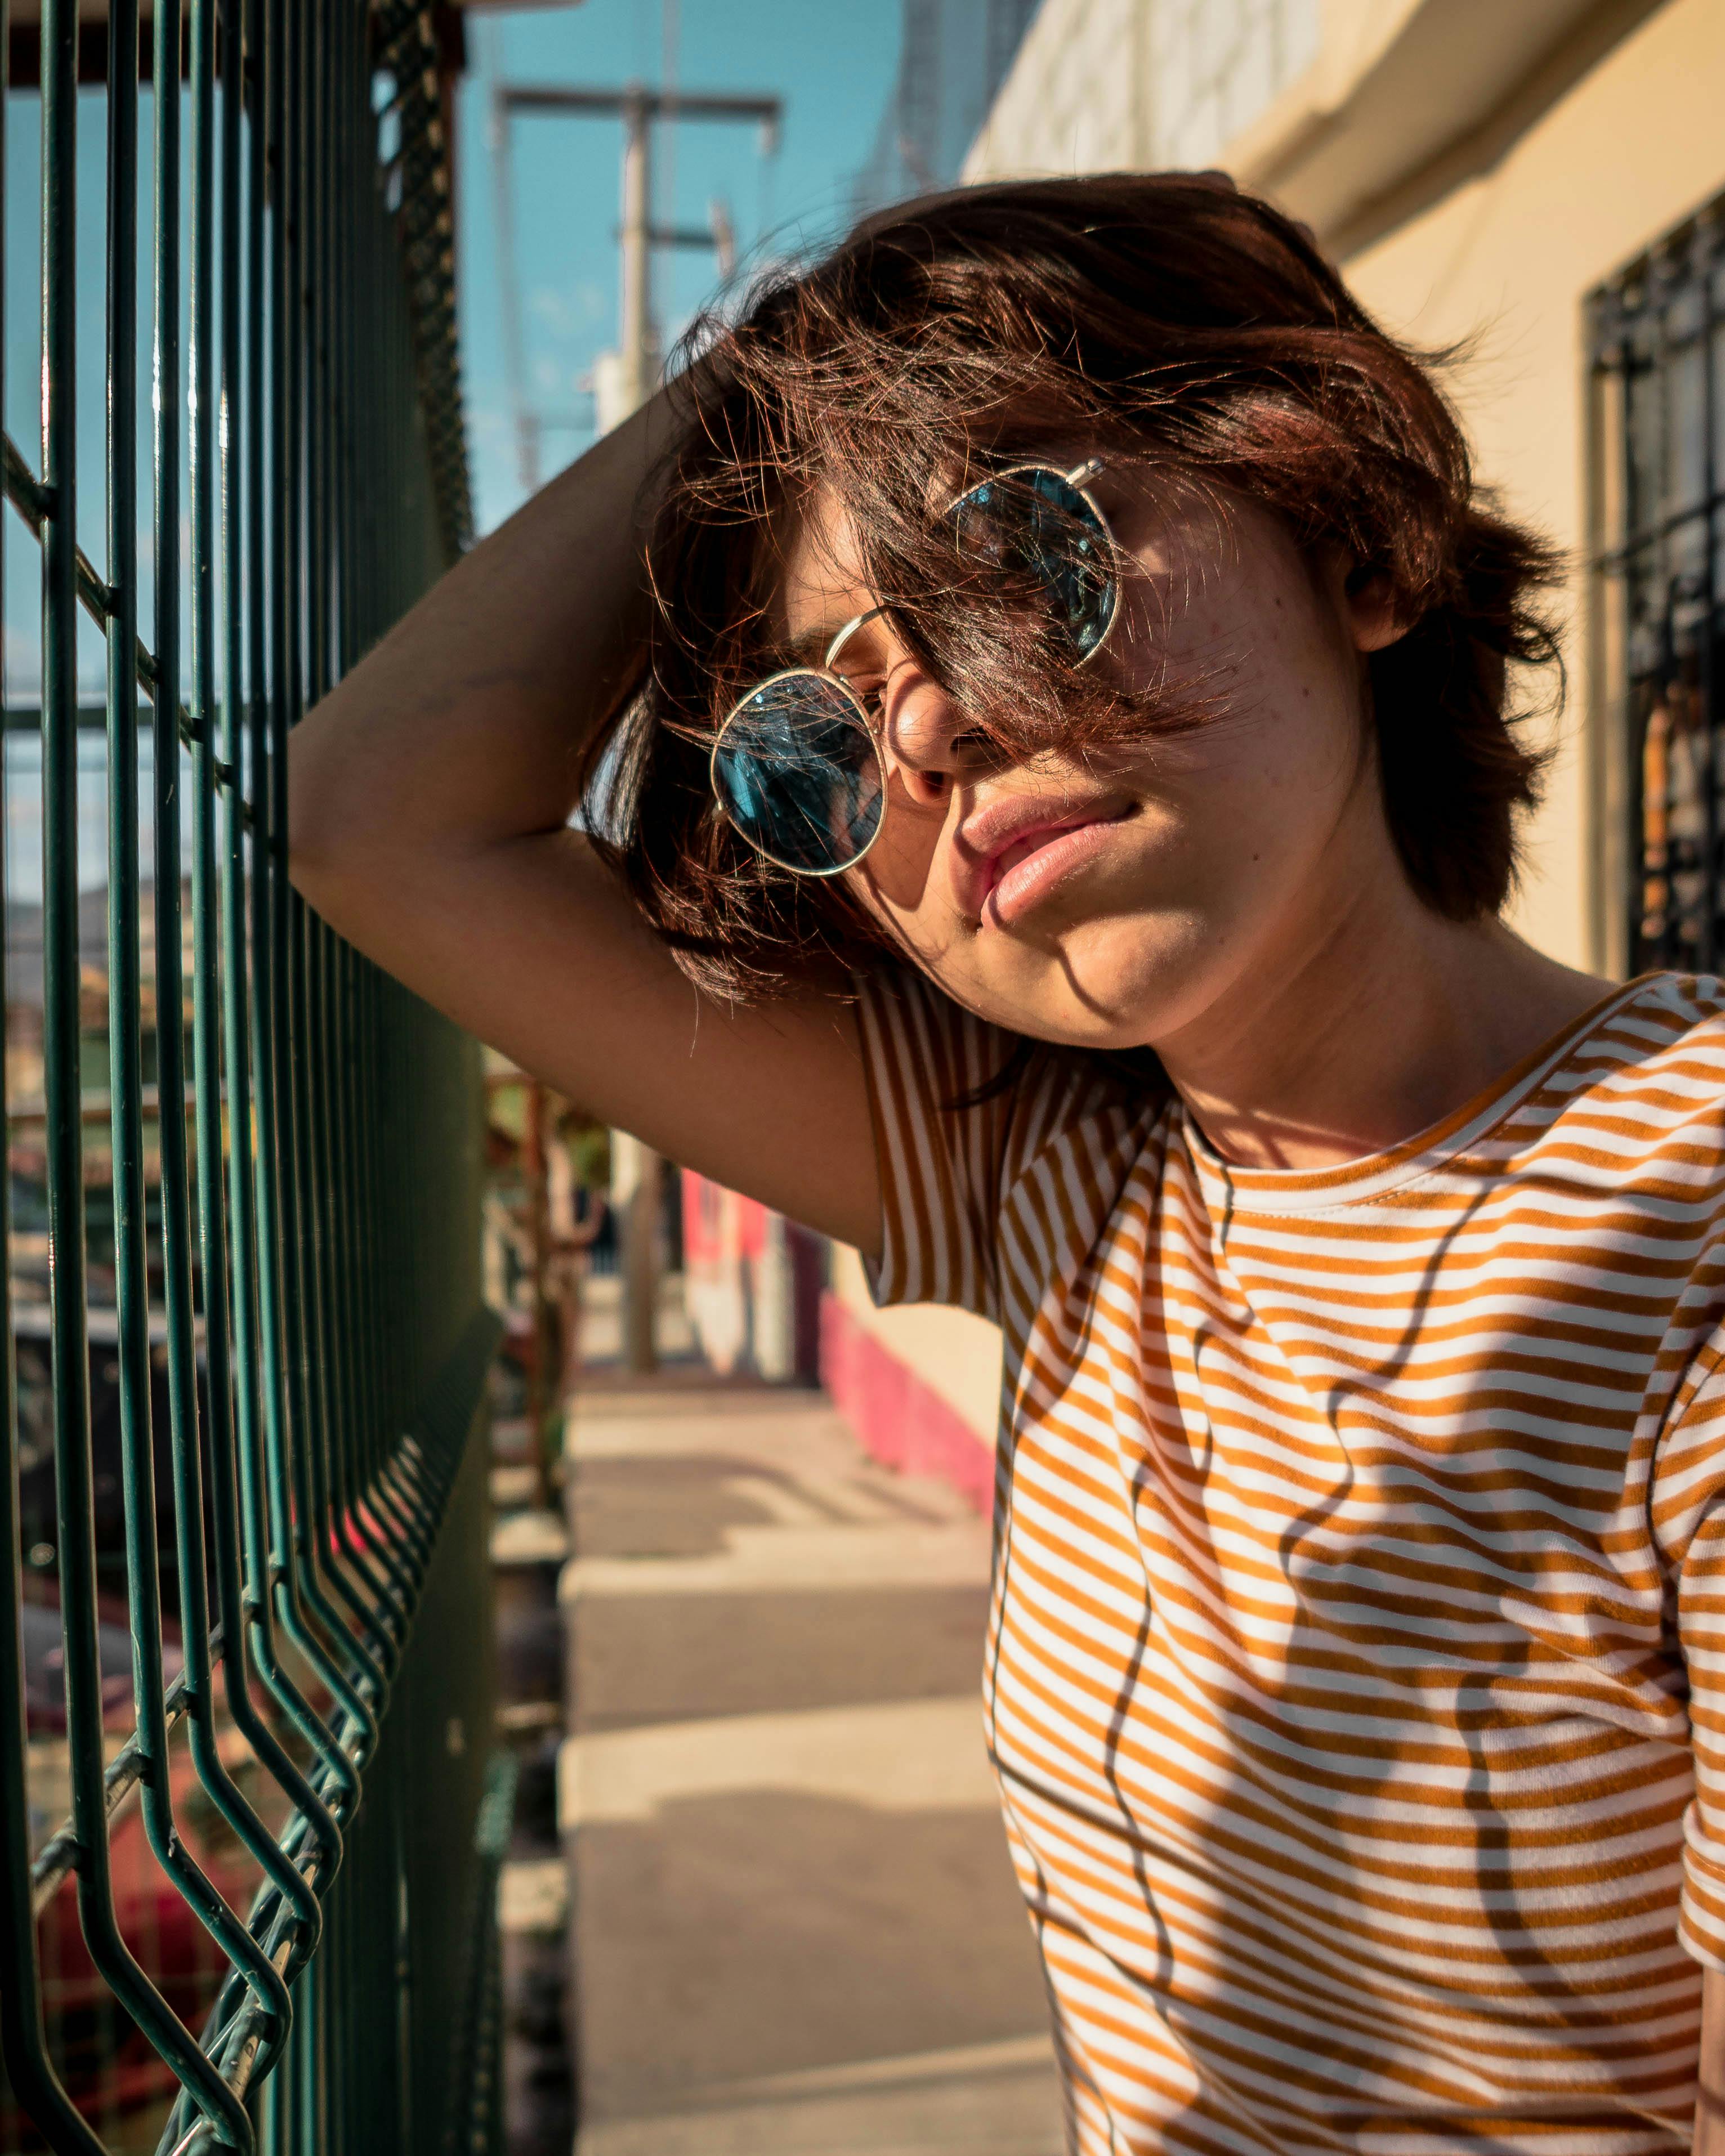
pixel 925 736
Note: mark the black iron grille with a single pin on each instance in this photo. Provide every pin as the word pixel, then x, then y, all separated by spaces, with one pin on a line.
pixel 1659 362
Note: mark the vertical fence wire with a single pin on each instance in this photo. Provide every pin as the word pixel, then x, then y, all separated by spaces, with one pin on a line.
pixel 31 2068
pixel 298 1350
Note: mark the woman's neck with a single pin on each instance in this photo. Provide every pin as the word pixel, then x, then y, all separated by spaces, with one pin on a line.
pixel 1388 1019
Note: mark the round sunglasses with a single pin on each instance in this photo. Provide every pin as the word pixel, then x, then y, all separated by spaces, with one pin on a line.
pixel 798 768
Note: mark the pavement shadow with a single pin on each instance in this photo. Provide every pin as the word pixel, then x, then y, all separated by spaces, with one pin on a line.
pixel 645 1659
pixel 670 1504
pixel 745 1935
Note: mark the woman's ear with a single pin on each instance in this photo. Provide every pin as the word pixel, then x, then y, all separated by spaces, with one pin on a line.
pixel 1368 607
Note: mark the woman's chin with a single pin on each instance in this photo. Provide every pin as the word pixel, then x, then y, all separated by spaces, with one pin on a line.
pixel 1111 983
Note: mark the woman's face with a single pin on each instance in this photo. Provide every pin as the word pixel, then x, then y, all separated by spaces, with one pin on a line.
pixel 1112 901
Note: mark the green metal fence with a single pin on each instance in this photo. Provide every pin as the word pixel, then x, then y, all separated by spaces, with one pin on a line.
pixel 242 1284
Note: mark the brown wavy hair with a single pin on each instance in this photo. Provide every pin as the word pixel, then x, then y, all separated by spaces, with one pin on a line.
pixel 1166 318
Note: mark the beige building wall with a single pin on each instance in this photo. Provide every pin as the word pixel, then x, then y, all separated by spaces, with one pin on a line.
pixel 1504 258
pixel 1077 99
pixel 1104 84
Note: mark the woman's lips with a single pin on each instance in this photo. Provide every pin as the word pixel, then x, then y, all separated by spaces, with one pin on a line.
pixel 1030 870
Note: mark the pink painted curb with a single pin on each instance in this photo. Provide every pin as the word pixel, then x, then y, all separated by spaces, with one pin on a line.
pixel 899 1420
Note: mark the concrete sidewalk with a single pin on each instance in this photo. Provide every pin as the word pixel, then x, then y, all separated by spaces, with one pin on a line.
pixel 796 1931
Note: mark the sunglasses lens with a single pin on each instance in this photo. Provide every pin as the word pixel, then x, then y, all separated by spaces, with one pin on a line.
pixel 796 772
pixel 1037 524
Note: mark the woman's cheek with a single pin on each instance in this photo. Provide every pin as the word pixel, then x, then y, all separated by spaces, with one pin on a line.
pixel 898 876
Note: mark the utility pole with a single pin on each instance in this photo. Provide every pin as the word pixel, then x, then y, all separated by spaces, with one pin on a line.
pixel 637 341
pixel 640 109
pixel 637 1179
pixel 718 236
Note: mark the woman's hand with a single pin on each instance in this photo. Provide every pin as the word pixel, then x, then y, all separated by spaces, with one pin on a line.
pixel 429 798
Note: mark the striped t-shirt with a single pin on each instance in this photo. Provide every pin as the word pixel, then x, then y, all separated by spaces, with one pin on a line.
pixel 1356 1670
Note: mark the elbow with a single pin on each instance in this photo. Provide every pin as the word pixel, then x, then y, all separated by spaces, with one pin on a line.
pixel 310 841
pixel 324 811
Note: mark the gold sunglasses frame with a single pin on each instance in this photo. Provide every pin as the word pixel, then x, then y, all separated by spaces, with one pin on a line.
pixel 1078 479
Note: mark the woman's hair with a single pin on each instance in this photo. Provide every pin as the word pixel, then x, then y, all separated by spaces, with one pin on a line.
pixel 1165 320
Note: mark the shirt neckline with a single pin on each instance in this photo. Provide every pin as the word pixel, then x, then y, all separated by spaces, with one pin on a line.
pixel 1373 1175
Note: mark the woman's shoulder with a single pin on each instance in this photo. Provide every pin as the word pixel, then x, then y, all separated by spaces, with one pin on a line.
pixel 986 1137
pixel 1662 1025
pixel 1643 1091
pixel 909 1020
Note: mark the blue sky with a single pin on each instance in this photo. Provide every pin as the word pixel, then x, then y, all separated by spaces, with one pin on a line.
pixel 832 64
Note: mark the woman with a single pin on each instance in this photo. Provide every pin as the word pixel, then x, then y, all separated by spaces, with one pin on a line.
pixel 1037 690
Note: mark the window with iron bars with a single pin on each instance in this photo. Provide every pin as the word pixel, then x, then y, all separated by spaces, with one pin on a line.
pixel 1658 350
pixel 251 1820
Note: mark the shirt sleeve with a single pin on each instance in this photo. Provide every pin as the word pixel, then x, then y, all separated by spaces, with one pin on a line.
pixel 1690 1508
pixel 966 1116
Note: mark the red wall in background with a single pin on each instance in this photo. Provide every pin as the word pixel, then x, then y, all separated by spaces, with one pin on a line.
pixel 900 1421
pixel 752 1283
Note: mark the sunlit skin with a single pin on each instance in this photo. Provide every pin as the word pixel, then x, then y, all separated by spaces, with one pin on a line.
pixel 1230 897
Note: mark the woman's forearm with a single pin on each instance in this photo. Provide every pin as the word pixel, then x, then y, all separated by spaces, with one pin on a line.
pixel 429 796
pixel 463 727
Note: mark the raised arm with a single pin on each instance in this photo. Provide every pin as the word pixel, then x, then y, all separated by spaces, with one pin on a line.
pixel 429 796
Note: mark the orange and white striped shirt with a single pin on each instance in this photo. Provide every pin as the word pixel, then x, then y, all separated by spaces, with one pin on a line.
pixel 1356 1671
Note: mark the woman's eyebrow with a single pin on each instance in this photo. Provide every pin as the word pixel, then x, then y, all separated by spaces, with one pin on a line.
pixel 810 648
